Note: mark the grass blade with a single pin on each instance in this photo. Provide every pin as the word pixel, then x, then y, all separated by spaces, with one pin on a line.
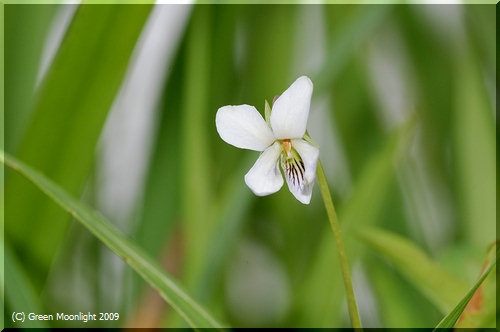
pixel 196 163
pixel 451 318
pixel 65 123
pixel 20 295
pixel 475 154
pixel 440 287
pixel 119 244
pixel 22 53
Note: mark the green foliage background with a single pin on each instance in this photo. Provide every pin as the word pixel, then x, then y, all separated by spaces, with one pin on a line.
pixel 415 189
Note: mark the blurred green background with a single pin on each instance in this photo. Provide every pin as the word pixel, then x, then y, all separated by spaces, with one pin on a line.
pixel 117 103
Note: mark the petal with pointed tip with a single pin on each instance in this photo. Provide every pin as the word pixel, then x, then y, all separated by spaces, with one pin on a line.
pixel 291 110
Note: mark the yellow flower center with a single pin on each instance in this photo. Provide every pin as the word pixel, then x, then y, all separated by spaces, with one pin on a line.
pixel 287 144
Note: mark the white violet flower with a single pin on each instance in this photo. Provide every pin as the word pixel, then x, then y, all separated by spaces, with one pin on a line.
pixel 281 139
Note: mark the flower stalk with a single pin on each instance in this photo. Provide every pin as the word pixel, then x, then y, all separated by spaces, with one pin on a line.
pixel 334 223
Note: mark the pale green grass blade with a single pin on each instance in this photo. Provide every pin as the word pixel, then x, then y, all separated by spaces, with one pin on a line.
pixel 196 161
pixel 20 295
pixel 451 318
pixel 434 282
pixel 66 121
pixel 121 245
pixel 474 134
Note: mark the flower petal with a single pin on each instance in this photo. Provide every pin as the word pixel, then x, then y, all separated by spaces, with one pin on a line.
pixel 291 110
pixel 264 177
pixel 302 193
pixel 300 174
pixel 243 127
pixel 310 155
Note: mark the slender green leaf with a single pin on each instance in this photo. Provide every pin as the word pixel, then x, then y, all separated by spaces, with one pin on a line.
pixel 193 313
pixel 20 295
pixel 440 287
pixel 159 208
pixel 451 318
pixel 196 163
pixel 68 115
pixel 481 311
pixel 474 139
pixel 22 53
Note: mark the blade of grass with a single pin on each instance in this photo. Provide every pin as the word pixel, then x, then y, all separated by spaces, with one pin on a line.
pixel 161 195
pixel 20 295
pixel 474 146
pixel 435 283
pixel 481 311
pixel 142 263
pixel 68 115
pixel 196 162
pixel 160 208
pixel 451 318
pixel 22 56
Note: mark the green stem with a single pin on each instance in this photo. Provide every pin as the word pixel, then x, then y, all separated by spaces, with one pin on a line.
pixel 334 223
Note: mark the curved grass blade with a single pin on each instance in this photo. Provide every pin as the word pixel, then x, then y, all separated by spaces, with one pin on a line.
pixel 451 318
pixel 142 263
pixel 65 122
pixel 436 284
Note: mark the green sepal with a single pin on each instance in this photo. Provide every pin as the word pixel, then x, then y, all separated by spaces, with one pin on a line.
pixel 267 113
pixel 308 138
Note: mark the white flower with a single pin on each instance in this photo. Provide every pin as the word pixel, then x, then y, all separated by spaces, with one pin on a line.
pixel 244 127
